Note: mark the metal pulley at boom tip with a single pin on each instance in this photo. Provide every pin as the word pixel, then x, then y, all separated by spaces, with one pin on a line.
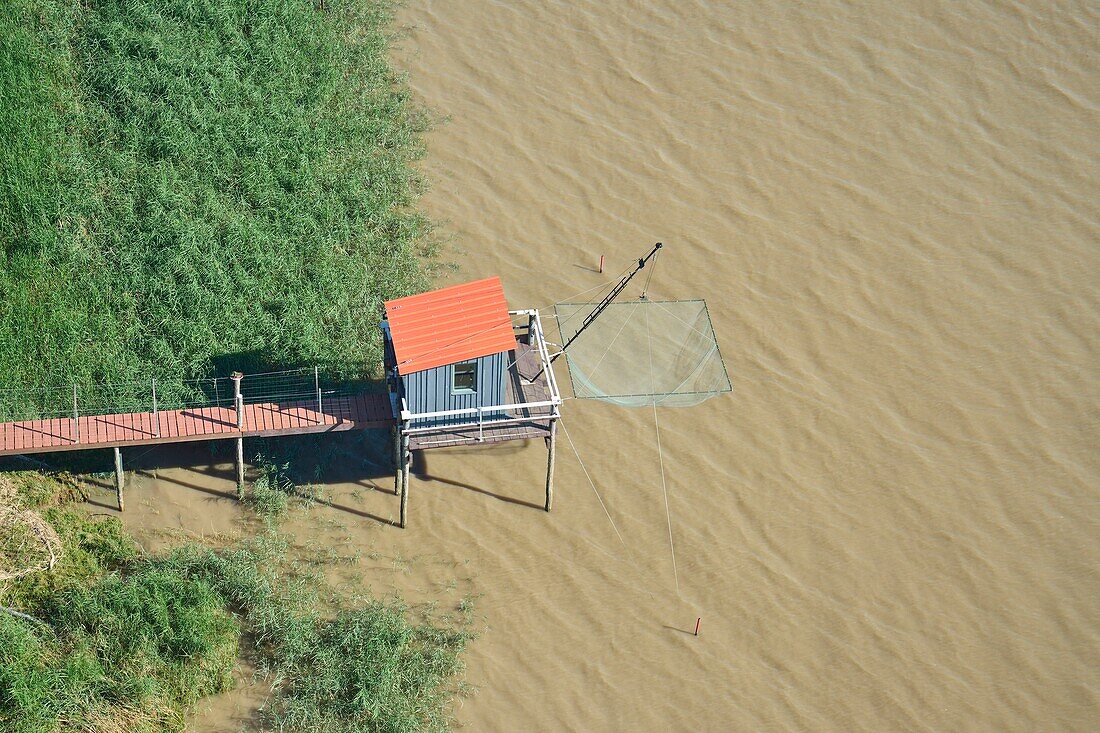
pixel 609 298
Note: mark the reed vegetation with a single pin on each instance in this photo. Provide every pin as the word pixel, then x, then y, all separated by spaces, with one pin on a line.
pixel 97 640
pixel 125 642
pixel 191 186
pixel 198 185
pixel 361 665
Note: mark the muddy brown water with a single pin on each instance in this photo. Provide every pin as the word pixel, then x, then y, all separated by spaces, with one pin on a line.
pixel 893 522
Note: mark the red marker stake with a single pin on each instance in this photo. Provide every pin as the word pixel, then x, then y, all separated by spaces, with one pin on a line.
pixel 697 620
pixel 601 264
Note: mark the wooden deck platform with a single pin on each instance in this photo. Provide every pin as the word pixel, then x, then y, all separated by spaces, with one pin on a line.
pixel 525 384
pixel 354 412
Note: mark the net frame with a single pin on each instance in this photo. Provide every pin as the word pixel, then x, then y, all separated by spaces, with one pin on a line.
pixel 585 386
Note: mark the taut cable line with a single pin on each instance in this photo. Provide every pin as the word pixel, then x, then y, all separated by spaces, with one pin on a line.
pixel 595 491
pixel 661 459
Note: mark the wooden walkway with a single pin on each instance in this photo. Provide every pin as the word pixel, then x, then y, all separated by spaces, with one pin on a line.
pixel 266 419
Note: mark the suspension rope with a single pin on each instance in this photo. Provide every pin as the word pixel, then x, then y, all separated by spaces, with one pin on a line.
pixel 601 286
pixel 664 490
pixel 594 490
pixel 604 284
pixel 661 459
pixel 561 322
pixel 690 326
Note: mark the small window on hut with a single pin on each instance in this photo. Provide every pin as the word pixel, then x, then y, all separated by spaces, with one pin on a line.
pixel 464 380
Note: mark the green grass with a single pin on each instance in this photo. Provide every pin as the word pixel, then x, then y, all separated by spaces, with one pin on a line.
pixel 127 643
pixel 122 654
pixel 269 494
pixel 362 667
pixel 120 646
pixel 92 546
pixel 190 186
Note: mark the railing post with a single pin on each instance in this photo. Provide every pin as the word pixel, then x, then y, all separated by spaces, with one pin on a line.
pixel 317 386
pixel 480 425
pixel 238 402
pixel 156 415
pixel 76 417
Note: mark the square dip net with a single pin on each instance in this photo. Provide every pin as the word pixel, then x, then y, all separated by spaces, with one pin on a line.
pixel 646 352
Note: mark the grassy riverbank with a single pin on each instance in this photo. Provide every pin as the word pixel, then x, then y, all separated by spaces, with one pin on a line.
pixel 115 640
pixel 189 184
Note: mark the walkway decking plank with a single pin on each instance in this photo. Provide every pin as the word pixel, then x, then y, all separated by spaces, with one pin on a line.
pixel 209 423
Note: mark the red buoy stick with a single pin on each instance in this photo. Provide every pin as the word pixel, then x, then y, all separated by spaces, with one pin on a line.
pixel 601 264
pixel 697 620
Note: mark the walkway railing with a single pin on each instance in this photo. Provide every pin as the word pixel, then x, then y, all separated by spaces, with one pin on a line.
pixel 154 396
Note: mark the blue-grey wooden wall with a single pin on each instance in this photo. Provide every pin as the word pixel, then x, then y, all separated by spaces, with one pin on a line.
pixel 430 390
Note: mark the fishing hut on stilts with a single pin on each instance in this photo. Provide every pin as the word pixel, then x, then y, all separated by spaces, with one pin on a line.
pixel 462 369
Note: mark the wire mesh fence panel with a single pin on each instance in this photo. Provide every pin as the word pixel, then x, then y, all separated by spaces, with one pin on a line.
pixel 162 395
pixel 644 352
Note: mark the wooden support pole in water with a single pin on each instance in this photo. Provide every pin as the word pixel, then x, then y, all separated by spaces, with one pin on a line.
pixel 240 468
pixel 406 460
pixel 398 465
pixel 120 478
pixel 550 463
pixel 238 403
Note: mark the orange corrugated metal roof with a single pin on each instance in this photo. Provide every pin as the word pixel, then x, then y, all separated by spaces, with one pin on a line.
pixel 449 325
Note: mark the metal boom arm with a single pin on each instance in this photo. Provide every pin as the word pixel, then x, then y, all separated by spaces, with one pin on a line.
pixel 609 298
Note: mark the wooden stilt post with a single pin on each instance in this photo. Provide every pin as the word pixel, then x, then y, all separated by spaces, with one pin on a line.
pixel 550 463
pixel 405 490
pixel 406 460
pixel 398 464
pixel 238 402
pixel 402 457
pixel 240 468
pixel 120 478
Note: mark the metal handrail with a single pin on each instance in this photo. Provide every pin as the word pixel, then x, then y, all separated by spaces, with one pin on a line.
pixel 469 410
pixel 480 425
pixel 544 356
pixel 540 346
